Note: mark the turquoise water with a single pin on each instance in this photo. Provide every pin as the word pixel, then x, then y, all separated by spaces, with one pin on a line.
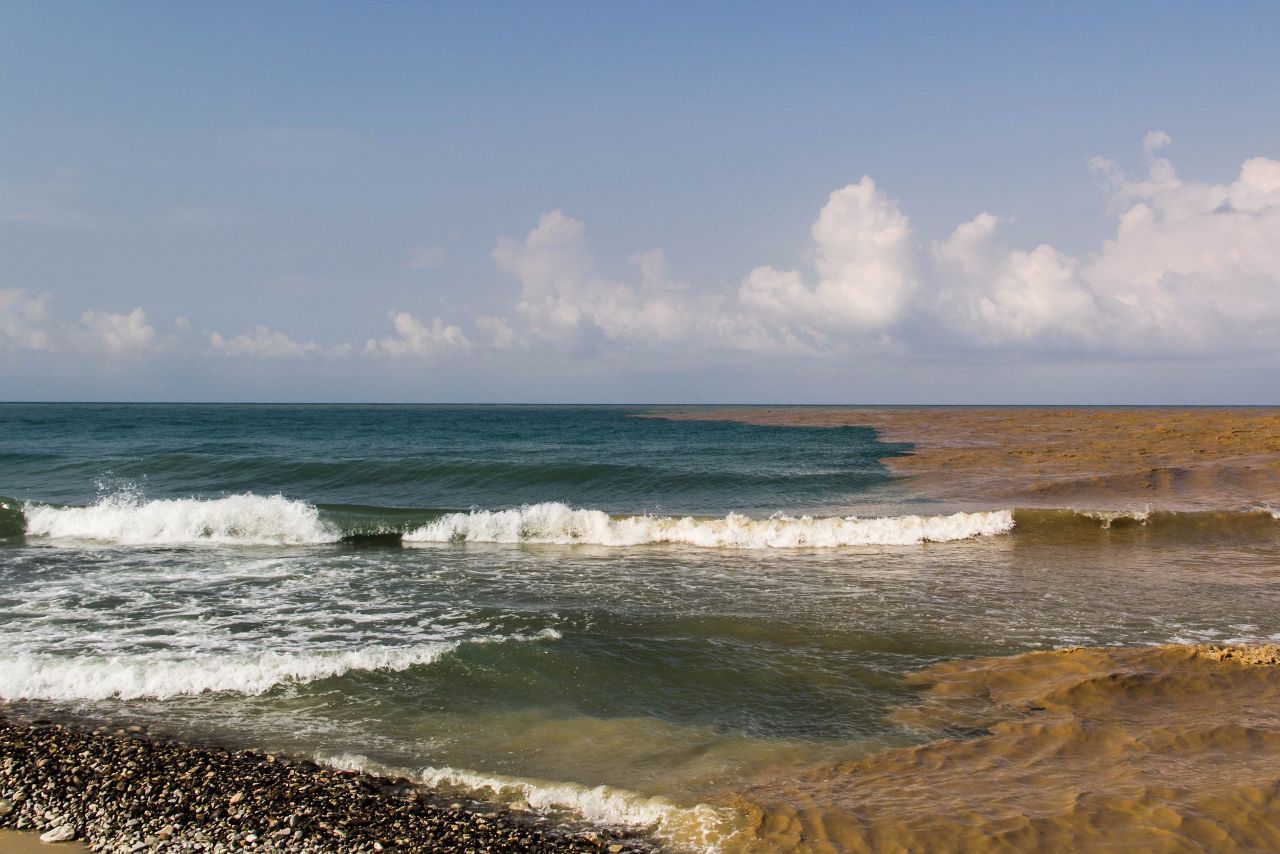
pixel 607 616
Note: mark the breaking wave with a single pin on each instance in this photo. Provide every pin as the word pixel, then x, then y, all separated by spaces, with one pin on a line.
pixel 249 519
pixel 242 519
pixel 697 828
pixel 46 677
pixel 560 524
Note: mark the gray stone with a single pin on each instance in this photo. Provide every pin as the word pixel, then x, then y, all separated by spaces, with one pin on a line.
pixel 61 833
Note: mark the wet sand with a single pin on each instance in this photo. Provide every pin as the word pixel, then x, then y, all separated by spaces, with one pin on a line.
pixel 1181 458
pixel 1162 749
pixel 17 842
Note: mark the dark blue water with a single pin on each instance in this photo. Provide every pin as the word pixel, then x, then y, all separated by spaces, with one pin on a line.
pixel 437 457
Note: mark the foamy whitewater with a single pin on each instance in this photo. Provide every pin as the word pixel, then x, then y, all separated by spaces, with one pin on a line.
pixel 42 677
pixel 240 519
pixel 697 630
pixel 698 828
pixel 559 524
pixel 275 520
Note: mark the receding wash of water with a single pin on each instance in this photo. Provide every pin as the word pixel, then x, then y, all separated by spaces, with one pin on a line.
pixel 708 631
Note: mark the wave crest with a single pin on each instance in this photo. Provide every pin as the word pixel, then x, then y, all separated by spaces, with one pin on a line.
pixel 556 523
pixel 240 519
pixel 46 677
pixel 697 828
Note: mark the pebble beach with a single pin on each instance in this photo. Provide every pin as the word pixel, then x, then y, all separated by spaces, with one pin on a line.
pixel 122 791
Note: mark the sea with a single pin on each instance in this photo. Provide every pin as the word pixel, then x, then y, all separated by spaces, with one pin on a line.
pixel 595 614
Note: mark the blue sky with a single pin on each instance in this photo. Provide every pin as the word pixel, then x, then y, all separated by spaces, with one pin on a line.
pixel 599 202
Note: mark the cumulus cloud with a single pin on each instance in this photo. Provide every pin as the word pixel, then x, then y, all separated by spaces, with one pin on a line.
pixel 262 343
pixel 24 323
pixel 1154 141
pixel 1191 267
pixel 564 301
pixel 415 338
pixel 998 295
pixel 120 333
pixel 501 334
pixel 1195 264
pixel 864 258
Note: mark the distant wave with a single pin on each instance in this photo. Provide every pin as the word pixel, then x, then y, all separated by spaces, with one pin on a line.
pixel 557 523
pixel 244 519
pixel 697 828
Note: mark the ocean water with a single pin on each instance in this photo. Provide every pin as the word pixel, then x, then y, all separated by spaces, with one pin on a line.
pixel 607 616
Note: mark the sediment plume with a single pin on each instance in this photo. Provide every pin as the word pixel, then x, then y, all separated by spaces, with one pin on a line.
pixel 1163 749
pixel 1190 458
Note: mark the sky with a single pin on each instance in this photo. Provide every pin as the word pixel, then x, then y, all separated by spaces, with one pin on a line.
pixel 657 202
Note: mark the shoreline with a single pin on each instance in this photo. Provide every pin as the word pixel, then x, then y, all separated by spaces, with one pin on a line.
pixel 1169 746
pixel 128 792
pixel 28 842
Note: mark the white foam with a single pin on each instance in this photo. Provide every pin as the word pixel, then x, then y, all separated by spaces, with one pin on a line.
pixel 241 519
pixel 1107 517
pixel 697 828
pixel 557 523
pixel 1270 508
pixel 155 676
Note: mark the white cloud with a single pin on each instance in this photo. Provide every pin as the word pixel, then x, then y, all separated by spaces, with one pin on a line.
pixel 1192 267
pixel 998 295
pixel 500 332
pixel 120 333
pixel 262 343
pixel 564 302
pixel 414 338
pixel 427 257
pixel 864 257
pixel 24 320
pixel 1196 265
pixel 1154 141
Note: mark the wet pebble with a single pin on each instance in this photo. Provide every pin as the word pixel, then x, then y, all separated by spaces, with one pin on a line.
pixel 126 792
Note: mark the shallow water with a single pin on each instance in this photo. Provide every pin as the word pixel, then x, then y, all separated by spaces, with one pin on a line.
pixel 380 614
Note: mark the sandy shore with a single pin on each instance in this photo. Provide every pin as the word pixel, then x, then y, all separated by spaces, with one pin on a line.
pixel 1192 458
pixel 1159 749
pixel 130 793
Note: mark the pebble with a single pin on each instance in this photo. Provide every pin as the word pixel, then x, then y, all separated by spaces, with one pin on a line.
pixel 120 790
pixel 61 833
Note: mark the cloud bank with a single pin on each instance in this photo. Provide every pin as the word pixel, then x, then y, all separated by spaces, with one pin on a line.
pixel 1191 268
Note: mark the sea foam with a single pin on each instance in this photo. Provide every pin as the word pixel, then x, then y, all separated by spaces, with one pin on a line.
pixel 557 523
pixel 238 519
pixel 699 828
pixel 154 676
